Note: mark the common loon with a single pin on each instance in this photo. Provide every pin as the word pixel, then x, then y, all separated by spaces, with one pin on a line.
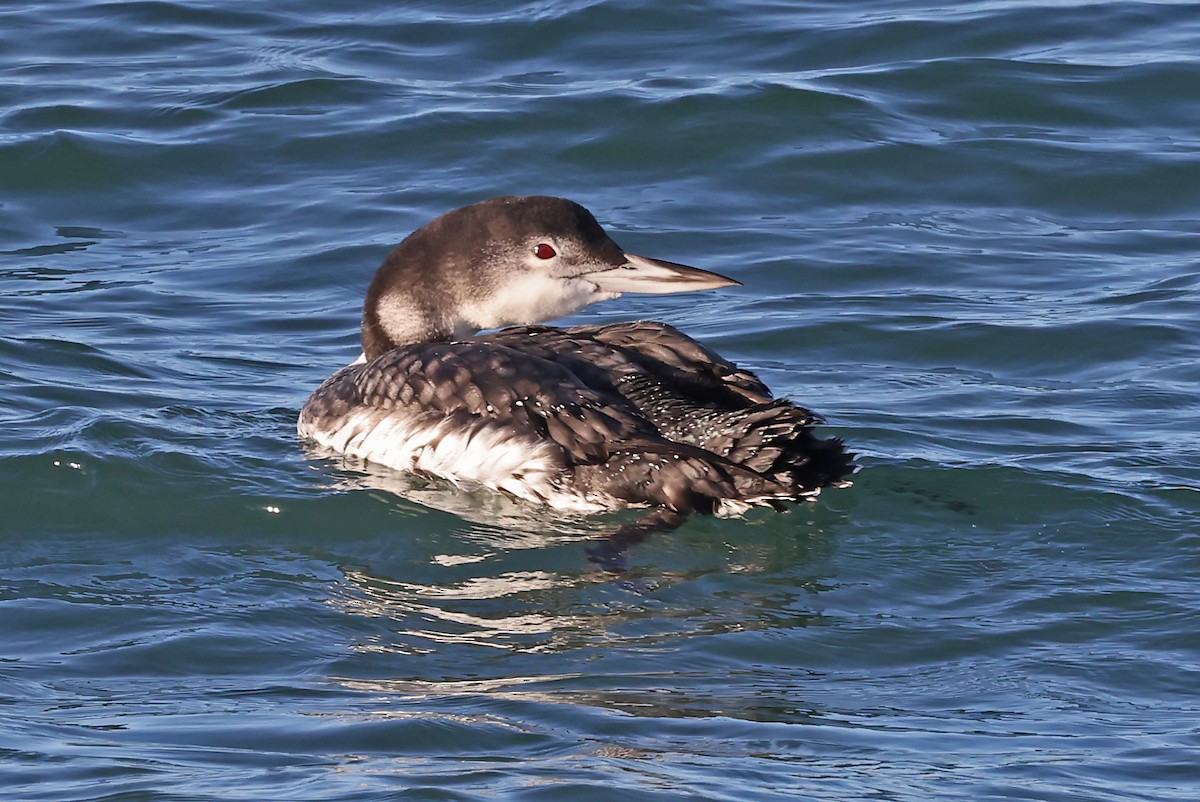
pixel 588 418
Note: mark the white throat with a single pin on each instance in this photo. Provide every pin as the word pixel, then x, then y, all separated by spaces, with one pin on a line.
pixel 533 298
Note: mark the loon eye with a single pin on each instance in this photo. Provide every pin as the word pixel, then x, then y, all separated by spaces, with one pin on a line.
pixel 544 251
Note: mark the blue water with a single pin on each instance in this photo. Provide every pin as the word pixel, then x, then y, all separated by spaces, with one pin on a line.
pixel 968 236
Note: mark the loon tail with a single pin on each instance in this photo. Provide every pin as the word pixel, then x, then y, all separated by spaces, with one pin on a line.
pixel 775 439
pixel 766 448
pixel 765 454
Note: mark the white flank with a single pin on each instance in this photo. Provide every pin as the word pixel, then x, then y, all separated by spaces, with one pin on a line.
pixel 482 454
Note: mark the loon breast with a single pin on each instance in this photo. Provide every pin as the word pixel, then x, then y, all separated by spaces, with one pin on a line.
pixel 475 413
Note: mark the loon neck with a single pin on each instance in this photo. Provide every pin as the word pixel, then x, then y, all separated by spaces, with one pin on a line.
pixel 375 341
pixel 379 337
pixel 393 318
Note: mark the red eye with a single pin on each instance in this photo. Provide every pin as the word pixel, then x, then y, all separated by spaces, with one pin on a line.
pixel 544 251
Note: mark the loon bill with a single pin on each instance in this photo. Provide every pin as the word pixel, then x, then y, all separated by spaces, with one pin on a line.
pixel 589 418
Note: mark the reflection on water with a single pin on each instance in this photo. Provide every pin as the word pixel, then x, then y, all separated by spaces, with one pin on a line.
pixel 665 694
pixel 501 523
pixel 81 237
pixel 47 250
pixel 508 611
pixel 502 526
pixel 559 605
pixel 624 644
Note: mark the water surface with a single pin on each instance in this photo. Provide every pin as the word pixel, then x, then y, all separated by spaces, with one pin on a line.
pixel 968 236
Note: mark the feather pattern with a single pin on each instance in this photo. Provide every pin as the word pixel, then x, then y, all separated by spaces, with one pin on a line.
pixel 584 418
pixel 560 416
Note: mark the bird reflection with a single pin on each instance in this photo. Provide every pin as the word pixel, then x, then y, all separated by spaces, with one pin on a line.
pixel 502 523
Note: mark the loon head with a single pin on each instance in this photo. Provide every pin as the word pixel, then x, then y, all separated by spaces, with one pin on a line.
pixel 504 262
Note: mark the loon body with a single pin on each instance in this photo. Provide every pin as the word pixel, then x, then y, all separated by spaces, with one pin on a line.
pixel 584 419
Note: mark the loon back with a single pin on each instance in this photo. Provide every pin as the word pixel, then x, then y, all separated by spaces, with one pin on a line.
pixel 586 418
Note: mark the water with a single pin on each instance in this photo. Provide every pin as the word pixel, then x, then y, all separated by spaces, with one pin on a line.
pixel 968 236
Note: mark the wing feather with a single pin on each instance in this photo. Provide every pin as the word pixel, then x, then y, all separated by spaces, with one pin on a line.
pixel 533 398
